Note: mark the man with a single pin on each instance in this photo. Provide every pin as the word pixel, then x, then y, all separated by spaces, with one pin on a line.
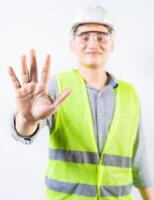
pixel 95 138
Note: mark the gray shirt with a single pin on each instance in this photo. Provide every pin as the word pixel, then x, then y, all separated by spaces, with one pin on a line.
pixel 102 105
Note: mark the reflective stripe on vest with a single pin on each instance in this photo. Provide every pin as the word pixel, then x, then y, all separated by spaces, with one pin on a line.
pixel 74 156
pixel 71 188
pixel 119 161
pixel 87 190
pixel 116 191
pixel 89 157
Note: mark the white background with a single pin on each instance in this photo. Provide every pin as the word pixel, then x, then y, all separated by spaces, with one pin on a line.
pixel 44 25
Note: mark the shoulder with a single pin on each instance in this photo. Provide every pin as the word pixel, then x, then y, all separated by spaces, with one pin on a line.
pixel 122 83
pixel 126 86
pixel 127 89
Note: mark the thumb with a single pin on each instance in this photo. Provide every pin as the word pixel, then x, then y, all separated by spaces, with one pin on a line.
pixel 63 95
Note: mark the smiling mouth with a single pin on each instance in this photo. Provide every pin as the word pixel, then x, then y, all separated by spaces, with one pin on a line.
pixel 93 52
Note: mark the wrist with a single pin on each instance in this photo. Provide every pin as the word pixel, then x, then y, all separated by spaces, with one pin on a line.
pixel 25 127
pixel 28 120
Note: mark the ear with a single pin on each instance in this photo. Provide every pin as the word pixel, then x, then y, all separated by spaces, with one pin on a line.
pixel 112 44
pixel 71 44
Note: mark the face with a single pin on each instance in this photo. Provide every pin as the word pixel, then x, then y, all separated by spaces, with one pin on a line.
pixel 92 45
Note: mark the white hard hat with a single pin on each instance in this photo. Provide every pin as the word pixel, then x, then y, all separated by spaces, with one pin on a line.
pixel 98 15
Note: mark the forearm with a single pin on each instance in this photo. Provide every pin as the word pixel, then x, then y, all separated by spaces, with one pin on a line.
pixel 25 127
pixel 147 193
pixel 142 174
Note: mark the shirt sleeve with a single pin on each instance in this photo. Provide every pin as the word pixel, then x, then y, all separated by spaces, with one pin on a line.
pixel 141 169
pixel 50 122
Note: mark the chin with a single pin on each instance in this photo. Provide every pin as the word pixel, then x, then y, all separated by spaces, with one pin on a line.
pixel 92 65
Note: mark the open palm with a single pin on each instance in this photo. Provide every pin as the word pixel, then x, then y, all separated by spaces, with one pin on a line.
pixel 33 101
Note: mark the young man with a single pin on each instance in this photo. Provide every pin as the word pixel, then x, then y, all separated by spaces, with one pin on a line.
pixel 95 139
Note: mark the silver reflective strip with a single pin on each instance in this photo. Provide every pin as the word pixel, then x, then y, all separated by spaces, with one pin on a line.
pixel 118 161
pixel 74 156
pixel 107 191
pixel 71 188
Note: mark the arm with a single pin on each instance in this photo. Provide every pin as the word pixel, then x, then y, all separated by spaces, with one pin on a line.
pixel 50 122
pixel 20 138
pixel 147 193
pixel 142 178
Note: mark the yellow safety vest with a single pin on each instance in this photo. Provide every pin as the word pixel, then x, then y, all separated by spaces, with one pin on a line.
pixel 75 170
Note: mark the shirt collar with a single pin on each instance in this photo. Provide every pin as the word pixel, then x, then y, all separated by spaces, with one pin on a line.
pixel 112 80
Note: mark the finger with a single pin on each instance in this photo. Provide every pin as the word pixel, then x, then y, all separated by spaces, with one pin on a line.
pixel 24 69
pixel 48 110
pixel 33 66
pixel 65 93
pixel 14 78
pixel 26 91
pixel 46 70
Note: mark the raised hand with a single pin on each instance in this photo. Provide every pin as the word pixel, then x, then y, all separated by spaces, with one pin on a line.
pixel 32 98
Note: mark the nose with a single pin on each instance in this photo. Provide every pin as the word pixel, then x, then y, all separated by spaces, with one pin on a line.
pixel 93 42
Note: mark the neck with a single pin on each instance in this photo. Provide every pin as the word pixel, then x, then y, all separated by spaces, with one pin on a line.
pixel 95 77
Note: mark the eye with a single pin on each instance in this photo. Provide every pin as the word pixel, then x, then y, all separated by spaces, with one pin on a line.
pixel 100 38
pixel 85 37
